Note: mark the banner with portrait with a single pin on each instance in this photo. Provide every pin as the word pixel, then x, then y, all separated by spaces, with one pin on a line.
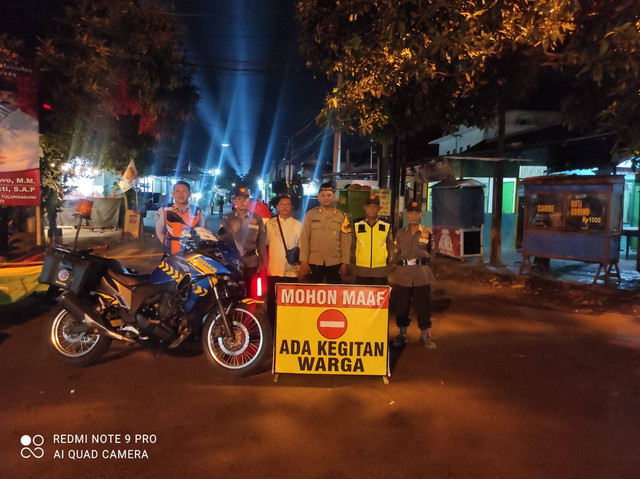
pixel 19 138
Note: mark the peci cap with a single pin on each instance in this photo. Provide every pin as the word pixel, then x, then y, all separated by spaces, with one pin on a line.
pixel 414 206
pixel 373 200
pixel 326 187
pixel 284 197
pixel 242 191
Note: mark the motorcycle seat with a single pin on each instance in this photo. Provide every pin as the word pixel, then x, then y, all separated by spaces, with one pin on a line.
pixel 121 274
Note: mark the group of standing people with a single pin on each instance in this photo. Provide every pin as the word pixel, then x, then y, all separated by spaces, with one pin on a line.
pixel 324 244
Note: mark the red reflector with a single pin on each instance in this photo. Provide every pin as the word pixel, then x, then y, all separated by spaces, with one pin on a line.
pixel 46 106
pixel 258 287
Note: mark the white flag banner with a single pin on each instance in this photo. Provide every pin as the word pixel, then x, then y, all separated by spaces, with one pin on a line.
pixel 129 177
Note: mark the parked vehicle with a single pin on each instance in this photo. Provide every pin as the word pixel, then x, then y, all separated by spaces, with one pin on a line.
pixel 198 291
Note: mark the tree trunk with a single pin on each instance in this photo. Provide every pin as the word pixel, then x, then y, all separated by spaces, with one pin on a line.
pixel 498 177
pixel 402 181
pixel 383 167
pixel 393 184
pixel 52 218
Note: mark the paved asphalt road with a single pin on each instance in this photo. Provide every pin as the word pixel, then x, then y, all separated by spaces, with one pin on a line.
pixel 511 392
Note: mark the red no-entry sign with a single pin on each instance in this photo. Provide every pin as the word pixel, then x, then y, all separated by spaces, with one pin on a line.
pixel 332 324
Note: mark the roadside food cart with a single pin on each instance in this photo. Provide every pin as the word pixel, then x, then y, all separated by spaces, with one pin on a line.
pixel 575 218
pixel 458 217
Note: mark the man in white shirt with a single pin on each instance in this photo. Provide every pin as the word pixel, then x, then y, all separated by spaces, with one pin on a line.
pixel 280 271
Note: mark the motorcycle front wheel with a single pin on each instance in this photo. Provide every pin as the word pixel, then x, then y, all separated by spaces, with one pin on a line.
pixel 71 343
pixel 242 354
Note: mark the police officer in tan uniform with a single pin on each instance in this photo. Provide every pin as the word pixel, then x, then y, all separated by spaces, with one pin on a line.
pixel 413 277
pixel 325 241
pixel 246 229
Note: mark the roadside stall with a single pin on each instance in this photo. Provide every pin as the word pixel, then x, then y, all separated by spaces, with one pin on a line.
pixel 458 217
pixel 106 213
pixel 575 218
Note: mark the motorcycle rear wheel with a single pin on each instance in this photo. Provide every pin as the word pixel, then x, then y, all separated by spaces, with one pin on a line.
pixel 73 349
pixel 244 353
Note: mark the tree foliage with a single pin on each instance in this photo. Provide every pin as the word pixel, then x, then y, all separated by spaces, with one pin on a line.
pixel 602 59
pixel 407 64
pixel 115 77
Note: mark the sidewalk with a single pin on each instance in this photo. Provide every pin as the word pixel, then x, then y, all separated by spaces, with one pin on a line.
pixel 567 284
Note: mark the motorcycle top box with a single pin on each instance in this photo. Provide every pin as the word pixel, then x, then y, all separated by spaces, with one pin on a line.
pixel 70 270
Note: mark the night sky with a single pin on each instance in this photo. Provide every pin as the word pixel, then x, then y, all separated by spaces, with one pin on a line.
pixel 255 90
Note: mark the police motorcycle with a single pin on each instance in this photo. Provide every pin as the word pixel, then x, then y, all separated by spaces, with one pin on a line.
pixel 198 290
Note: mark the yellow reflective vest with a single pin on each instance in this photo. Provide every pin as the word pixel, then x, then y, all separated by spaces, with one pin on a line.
pixel 371 244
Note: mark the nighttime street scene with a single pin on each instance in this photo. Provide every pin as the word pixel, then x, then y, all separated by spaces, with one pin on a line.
pixel 320 238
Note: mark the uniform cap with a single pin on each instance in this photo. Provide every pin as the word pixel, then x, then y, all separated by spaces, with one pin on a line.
pixel 373 200
pixel 242 191
pixel 414 206
pixel 326 187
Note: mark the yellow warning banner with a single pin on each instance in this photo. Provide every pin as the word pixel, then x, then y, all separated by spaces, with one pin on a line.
pixel 331 329
pixel 17 283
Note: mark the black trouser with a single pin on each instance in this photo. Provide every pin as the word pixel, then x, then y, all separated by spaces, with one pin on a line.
pixel 382 280
pixel 271 293
pixel 325 274
pixel 248 275
pixel 420 296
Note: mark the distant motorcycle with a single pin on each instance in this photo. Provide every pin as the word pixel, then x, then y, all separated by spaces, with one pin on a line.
pixel 197 291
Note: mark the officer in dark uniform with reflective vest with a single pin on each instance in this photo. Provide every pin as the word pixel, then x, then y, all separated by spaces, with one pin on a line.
pixel 413 277
pixel 169 232
pixel 372 245
pixel 246 229
pixel 325 241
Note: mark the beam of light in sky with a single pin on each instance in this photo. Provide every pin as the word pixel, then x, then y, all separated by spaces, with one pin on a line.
pixel 325 146
pixel 275 136
pixel 184 148
pixel 252 83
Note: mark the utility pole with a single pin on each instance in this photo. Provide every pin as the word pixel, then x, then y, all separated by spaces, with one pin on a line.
pixel 498 177
pixel 337 139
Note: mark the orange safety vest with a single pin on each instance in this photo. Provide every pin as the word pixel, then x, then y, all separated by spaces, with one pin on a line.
pixel 174 229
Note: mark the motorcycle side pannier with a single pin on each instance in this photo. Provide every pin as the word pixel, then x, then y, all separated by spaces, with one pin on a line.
pixel 69 271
